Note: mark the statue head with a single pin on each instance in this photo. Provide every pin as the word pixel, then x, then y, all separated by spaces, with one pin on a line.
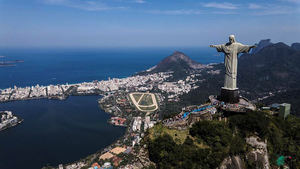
pixel 231 39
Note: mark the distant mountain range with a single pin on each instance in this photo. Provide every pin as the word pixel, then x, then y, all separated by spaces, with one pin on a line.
pixel 274 67
pixel 271 67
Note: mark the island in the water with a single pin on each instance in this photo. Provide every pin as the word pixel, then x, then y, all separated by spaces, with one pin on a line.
pixel 8 120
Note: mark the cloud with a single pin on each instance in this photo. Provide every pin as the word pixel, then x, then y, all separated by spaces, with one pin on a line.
pixel 176 12
pixel 293 1
pixel 276 10
pixel 140 1
pixel 273 9
pixel 254 6
pixel 88 5
pixel 224 12
pixel 224 5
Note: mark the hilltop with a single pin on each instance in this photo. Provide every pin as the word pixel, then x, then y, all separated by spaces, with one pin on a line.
pixel 179 63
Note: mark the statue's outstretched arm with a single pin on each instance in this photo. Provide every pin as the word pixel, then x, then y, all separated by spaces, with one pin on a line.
pixel 218 47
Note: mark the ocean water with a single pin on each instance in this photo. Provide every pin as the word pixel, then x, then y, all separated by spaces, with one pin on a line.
pixel 54 131
pixel 58 66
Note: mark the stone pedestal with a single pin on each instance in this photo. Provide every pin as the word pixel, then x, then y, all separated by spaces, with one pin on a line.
pixel 229 95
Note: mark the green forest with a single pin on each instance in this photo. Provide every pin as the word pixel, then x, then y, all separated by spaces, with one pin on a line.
pixel 209 142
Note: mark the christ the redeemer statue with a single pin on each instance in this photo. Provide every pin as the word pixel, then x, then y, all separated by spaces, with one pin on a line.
pixel 231 51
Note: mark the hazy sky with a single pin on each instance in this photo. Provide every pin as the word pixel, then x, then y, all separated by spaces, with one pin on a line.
pixel 122 23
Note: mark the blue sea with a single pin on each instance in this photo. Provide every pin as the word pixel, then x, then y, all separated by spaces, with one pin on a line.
pixel 53 131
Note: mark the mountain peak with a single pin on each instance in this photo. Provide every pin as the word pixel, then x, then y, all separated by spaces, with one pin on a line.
pixel 262 44
pixel 281 44
pixel 296 46
pixel 178 62
pixel 176 52
pixel 178 56
pixel 180 59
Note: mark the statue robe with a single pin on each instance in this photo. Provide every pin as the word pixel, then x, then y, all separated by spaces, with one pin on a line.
pixel 231 52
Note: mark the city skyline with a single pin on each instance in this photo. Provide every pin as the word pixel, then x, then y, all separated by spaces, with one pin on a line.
pixel 145 23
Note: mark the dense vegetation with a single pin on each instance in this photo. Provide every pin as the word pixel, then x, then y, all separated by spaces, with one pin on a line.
pixel 209 142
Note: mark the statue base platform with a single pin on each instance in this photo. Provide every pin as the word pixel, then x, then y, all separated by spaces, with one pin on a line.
pixel 242 106
pixel 229 95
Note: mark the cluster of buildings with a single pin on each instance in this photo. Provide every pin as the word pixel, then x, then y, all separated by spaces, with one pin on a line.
pixel 214 72
pixel 20 94
pixel 137 130
pixel 136 83
pixel 72 166
pixel 133 83
pixel 109 159
pixel 282 110
pixel 112 157
pixel 38 91
pixel 137 125
pixel 148 123
pixel 118 104
pixel 118 121
pixel 175 89
pixel 137 122
pixel 106 165
pixel 54 90
pixel 34 92
pixel 8 120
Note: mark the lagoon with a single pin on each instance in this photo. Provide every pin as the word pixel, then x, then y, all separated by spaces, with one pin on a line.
pixel 55 132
